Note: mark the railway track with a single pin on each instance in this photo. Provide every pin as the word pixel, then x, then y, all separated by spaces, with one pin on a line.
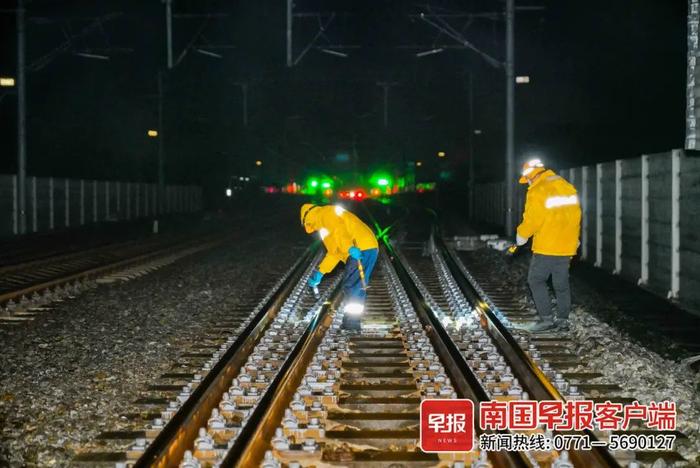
pixel 356 401
pixel 554 353
pixel 184 396
pixel 287 385
pixel 28 288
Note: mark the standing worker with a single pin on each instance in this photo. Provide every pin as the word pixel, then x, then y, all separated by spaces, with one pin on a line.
pixel 347 239
pixel 552 218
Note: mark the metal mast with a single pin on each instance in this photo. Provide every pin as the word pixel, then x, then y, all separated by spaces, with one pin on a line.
pixel 21 122
pixel 510 114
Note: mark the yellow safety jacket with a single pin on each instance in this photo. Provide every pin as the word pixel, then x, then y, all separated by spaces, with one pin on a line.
pixel 552 215
pixel 339 230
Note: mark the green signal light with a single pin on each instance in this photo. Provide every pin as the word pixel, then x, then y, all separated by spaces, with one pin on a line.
pixel 326 185
pixel 314 183
pixel 382 182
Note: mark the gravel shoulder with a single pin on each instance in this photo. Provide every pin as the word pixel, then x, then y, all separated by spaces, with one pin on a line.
pixel 67 375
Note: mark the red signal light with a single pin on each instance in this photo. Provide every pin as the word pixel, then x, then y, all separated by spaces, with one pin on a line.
pixel 352 194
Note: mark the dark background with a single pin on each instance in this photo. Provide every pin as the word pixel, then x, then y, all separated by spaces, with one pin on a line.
pixel 607 82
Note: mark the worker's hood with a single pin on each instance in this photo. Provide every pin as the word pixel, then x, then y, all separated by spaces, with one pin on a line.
pixel 310 217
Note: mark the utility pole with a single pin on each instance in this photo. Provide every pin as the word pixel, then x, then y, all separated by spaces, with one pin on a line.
pixel 510 114
pixel 386 85
pixel 439 23
pixel 290 19
pixel 21 122
pixel 471 146
pixel 169 28
pixel 161 156
pixel 161 104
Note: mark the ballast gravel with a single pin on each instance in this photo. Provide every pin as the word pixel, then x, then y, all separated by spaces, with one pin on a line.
pixel 67 375
pixel 641 372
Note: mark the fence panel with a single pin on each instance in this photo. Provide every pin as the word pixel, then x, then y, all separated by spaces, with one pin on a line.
pixel 607 217
pixel 690 232
pixel 631 219
pixel 57 203
pixel 73 202
pixel 592 211
pixel 7 205
pixel 660 222
pixel 100 202
pixel 43 202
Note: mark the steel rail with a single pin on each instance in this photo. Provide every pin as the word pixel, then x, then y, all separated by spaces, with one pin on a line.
pixel 249 447
pixel 51 258
pixel 179 434
pixel 103 269
pixel 465 381
pixel 534 381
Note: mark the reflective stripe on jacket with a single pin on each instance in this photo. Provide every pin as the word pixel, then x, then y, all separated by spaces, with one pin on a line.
pixel 339 230
pixel 552 216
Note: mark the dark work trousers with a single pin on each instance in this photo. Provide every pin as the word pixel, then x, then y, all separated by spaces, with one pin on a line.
pixel 541 268
pixel 352 284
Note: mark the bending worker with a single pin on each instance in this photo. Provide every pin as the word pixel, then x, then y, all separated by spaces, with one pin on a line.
pixel 347 239
pixel 552 218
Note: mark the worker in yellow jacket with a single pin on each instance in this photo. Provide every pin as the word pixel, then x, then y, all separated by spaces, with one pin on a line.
pixel 346 239
pixel 552 218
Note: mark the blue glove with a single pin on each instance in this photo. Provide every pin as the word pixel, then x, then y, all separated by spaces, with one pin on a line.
pixel 315 279
pixel 355 253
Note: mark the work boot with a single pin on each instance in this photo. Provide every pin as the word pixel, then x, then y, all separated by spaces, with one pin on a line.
pixel 562 325
pixel 521 325
pixel 541 326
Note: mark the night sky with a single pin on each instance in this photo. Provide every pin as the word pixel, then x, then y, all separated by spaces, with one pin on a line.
pixel 607 82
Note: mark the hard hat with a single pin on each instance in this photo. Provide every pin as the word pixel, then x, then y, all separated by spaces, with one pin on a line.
pixel 530 169
pixel 305 208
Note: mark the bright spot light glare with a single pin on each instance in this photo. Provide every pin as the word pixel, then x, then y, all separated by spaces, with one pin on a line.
pixel 258 163
pixel 7 82
pixel 419 163
pixel 477 132
pixel 152 133
pixel 354 308
pixel 326 185
pixel 382 182
pixel 441 154
pixel 229 192
pixel 522 79
pixel 314 183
